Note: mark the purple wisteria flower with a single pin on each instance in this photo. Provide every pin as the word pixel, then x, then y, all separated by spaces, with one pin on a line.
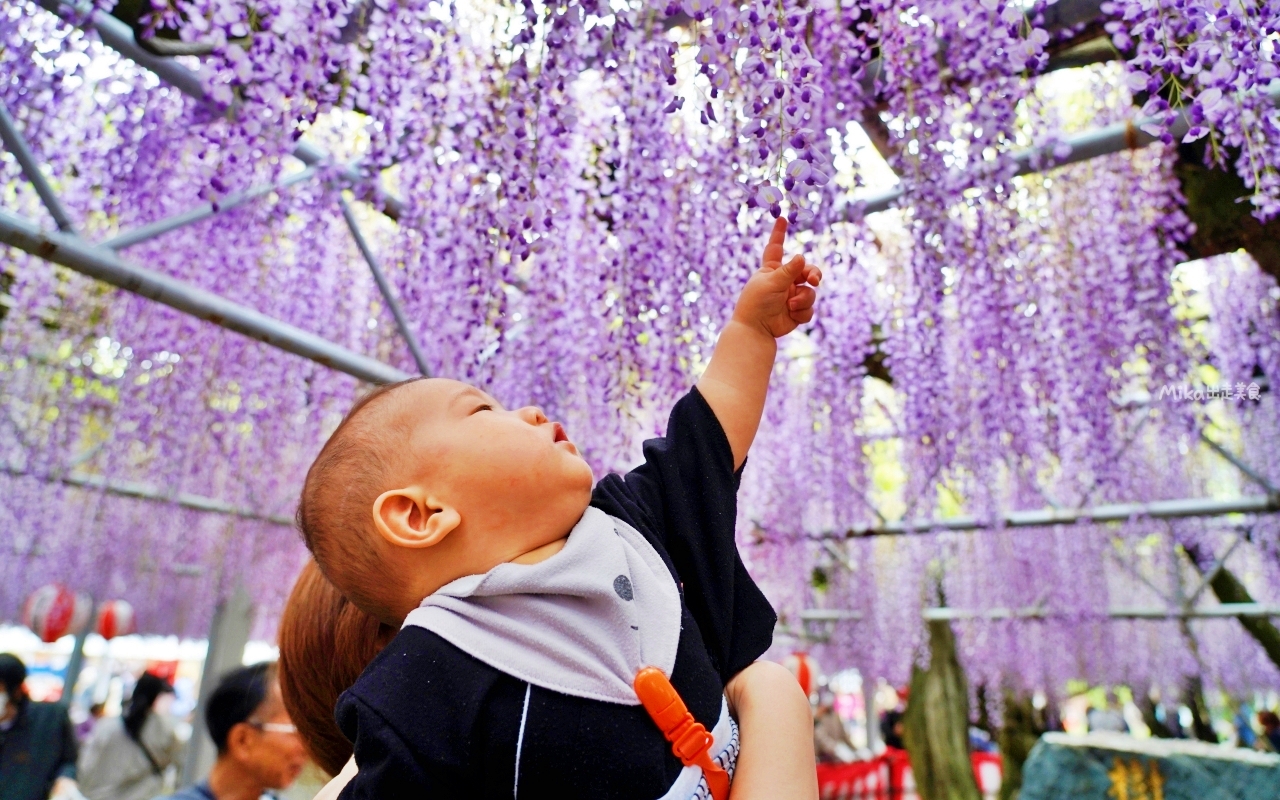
pixel 585 189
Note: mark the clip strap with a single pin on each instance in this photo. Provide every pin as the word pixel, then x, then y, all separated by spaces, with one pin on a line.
pixel 689 738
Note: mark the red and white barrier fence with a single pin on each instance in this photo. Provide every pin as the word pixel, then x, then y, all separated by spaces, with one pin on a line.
pixel 888 777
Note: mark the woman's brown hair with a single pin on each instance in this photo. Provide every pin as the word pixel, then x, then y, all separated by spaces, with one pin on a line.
pixel 325 643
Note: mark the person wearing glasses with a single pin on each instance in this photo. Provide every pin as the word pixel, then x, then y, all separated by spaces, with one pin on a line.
pixel 259 750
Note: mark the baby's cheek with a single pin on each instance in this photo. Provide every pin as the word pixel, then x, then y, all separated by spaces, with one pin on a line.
pixel 585 476
pixel 527 469
pixel 483 479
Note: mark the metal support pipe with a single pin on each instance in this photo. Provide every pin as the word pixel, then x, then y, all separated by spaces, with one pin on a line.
pixel 228 635
pixel 384 286
pixel 106 266
pixel 1084 146
pixel 1209 575
pixel 75 664
pixel 160 227
pixel 384 201
pixel 818 624
pixel 1249 472
pixel 1207 612
pixel 141 491
pixel 833 615
pixel 828 614
pixel 16 144
pixel 119 37
pixel 1114 512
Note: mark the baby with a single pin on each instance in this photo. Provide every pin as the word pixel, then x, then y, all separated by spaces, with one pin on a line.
pixel 555 634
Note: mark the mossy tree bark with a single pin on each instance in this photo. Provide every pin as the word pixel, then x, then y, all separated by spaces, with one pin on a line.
pixel 1193 696
pixel 1148 708
pixel 1228 589
pixel 1223 223
pixel 1017 736
pixel 936 723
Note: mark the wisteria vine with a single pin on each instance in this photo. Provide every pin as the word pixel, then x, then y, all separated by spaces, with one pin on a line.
pixel 584 186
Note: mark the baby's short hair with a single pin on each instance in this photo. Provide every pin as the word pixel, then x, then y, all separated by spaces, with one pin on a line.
pixel 335 512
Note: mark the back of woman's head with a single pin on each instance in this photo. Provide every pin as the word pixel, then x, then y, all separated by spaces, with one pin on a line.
pixel 145 692
pixel 13 674
pixel 325 643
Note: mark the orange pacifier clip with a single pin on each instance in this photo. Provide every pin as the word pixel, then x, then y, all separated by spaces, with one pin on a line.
pixel 689 738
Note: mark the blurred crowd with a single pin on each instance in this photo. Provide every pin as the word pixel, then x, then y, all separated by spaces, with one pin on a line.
pixel 136 755
pixel 1096 712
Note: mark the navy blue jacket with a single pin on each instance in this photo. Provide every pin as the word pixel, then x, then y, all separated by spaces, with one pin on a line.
pixel 427 719
pixel 36 751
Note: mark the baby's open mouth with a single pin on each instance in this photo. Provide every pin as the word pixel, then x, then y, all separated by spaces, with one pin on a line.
pixel 560 435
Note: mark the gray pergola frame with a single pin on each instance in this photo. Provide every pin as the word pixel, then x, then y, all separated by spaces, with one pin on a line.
pixel 103 262
pixel 817 624
pixel 1219 611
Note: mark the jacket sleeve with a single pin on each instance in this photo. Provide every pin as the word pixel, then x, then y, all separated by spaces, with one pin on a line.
pixel 687 487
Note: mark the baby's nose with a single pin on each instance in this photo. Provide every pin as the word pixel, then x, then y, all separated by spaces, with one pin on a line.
pixel 533 415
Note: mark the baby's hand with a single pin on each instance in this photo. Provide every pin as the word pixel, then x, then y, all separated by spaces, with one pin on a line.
pixel 778 297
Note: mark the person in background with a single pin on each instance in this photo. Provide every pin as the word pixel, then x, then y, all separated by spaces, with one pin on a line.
pixel 1106 718
pixel 37 741
pixel 1270 738
pixel 258 747
pixel 126 757
pixel 891 722
pixel 831 741
pixel 1245 735
pixel 85 729
pixel 980 741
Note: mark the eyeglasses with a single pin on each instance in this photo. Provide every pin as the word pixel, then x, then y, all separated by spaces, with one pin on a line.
pixel 272 727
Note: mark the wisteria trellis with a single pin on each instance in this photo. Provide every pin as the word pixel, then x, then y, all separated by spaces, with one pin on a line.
pixel 584 186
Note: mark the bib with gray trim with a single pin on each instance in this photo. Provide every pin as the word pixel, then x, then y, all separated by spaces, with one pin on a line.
pixel 583 622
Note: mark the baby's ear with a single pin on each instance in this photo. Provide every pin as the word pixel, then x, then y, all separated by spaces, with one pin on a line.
pixel 409 517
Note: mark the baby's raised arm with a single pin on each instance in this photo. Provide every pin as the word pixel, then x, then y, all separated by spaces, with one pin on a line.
pixel 777 298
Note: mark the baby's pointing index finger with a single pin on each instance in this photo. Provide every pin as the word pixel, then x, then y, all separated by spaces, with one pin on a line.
pixel 773 250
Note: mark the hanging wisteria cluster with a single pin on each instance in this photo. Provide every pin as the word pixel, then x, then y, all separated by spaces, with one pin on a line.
pixel 584 190
pixel 1215 62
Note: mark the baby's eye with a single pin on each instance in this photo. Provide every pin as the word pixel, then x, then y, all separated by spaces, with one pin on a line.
pixel 485 407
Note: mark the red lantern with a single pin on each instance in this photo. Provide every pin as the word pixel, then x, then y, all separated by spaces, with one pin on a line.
pixel 115 618
pixel 53 611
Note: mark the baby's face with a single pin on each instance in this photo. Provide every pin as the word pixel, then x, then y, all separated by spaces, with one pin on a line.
pixel 513 476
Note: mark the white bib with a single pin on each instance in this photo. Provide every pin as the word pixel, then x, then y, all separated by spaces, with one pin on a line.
pixel 582 623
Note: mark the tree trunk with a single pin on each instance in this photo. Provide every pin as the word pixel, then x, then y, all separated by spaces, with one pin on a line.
pixel 1223 224
pixel 1018 735
pixel 936 723
pixel 1201 726
pixel 1229 589
pixel 1148 708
